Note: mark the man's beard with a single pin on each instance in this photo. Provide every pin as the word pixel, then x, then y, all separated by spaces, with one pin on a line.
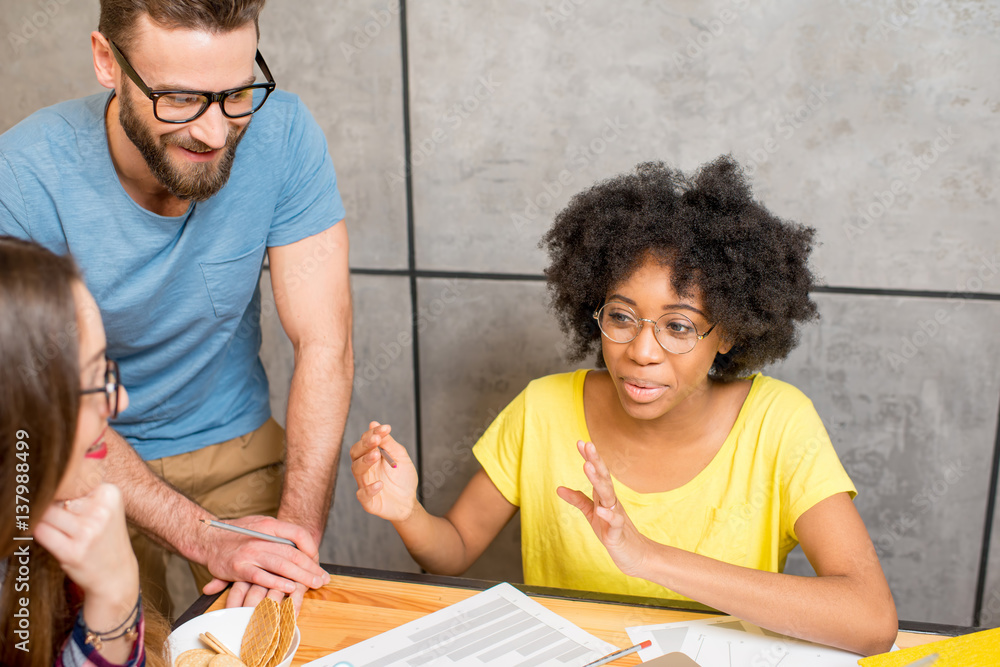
pixel 201 180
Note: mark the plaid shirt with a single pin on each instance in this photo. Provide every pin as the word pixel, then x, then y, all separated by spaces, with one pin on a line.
pixel 77 653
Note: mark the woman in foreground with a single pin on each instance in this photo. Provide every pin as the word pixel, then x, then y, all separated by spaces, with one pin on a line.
pixel 69 582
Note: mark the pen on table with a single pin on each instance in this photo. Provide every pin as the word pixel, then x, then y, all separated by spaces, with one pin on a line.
pixel 926 661
pixel 388 459
pixel 619 654
pixel 247 531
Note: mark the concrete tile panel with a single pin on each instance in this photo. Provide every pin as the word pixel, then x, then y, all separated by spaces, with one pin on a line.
pixel 344 61
pixel 481 343
pixel 837 110
pixel 383 390
pixel 46 55
pixel 989 613
pixel 908 389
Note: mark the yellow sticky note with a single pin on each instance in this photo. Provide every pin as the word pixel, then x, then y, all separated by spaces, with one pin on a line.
pixel 979 648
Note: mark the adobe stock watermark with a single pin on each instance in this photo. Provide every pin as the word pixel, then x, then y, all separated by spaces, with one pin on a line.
pixel 561 12
pixel 990 616
pixel 913 169
pixel 786 126
pixel 57 344
pixel 452 119
pixel 459 453
pixel 372 369
pixel 262 483
pixel 929 495
pixel 897 18
pixel 583 156
pixel 773 654
pixel 928 329
pixel 708 33
pixel 761 496
pixel 295 276
pixel 363 35
pixel 456 642
pixel 19 562
pixel 40 14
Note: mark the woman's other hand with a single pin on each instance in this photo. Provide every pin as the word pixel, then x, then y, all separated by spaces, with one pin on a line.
pixel 383 490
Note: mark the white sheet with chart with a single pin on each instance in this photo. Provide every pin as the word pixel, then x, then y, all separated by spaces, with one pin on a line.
pixel 730 642
pixel 501 627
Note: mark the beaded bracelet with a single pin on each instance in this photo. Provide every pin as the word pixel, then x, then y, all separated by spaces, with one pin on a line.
pixel 127 629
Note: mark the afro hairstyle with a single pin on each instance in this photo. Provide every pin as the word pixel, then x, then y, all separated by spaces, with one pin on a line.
pixel 749 267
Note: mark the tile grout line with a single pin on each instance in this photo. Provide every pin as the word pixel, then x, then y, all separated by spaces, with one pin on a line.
pixel 819 289
pixel 411 254
pixel 984 557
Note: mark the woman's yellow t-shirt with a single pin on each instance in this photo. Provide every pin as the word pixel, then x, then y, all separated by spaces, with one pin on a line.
pixel 776 463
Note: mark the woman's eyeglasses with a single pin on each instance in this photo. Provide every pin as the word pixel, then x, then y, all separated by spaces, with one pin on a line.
pixel 112 383
pixel 674 332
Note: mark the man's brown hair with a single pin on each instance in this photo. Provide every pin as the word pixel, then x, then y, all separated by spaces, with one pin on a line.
pixel 118 17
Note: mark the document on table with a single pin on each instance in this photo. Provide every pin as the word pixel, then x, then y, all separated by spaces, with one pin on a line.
pixel 501 626
pixel 729 642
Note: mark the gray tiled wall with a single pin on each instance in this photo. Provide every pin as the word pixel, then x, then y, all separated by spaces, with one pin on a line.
pixel 356 96
pixel 875 122
pixel 382 391
pixel 476 356
pixel 915 434
pixel 990 609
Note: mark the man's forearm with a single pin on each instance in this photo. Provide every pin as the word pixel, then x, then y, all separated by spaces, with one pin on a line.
pixel 318 403
pixel 159 510
pixel 171 519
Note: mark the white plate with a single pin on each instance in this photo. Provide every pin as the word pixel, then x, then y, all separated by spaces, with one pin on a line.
pixel 228 626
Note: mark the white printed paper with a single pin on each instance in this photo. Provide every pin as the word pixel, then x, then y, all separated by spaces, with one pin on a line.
pixel 729 642
pixel 500 626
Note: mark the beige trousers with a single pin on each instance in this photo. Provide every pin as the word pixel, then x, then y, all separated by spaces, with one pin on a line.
pixel 232 479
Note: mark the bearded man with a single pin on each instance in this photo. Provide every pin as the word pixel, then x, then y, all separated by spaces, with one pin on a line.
pixel 169 192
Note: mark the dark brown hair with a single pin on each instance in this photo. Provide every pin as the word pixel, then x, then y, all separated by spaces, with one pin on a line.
pixel 118 17
pixel 39 372
pixel 39 405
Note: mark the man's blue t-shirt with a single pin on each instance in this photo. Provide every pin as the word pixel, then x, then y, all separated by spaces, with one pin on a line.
pixel 179 295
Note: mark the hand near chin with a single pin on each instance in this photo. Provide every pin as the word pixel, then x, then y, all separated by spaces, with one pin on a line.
pixel 88 537
pixel 625 544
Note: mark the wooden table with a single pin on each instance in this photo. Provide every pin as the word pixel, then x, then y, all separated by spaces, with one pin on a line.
pixel 359 603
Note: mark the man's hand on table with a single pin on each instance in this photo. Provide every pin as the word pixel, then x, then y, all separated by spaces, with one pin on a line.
pixel 260 568
pixel 244 594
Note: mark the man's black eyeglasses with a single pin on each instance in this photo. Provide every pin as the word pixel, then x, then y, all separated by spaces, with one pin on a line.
pixel 183 106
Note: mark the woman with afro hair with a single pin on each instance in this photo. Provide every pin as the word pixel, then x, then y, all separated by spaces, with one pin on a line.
pixel 704 473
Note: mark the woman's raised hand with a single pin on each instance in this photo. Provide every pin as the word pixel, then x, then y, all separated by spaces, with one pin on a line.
pixel 625 544
pixel 385 491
